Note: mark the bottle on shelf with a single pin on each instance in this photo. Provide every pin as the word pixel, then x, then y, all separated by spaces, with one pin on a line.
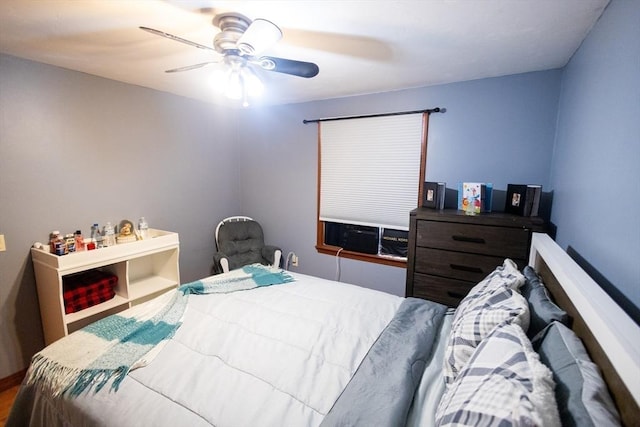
pixel 80 246
pixel 52 241
pixel 96 237
pixel 143 228
pixel 109 235
pixel 90 243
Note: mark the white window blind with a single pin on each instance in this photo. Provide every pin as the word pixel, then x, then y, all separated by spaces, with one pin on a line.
pixel 370 170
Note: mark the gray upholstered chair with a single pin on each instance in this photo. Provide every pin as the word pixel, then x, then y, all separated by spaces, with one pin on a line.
pixel 240 241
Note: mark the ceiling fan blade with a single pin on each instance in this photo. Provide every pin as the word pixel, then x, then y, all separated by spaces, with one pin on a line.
pixel 176 38
pixel 288 66
pixel 190 67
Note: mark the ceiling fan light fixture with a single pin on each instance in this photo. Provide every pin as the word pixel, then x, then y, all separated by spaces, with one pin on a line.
pixel 260 35
pixel 239 83
pixel 252 82
pixel 218 80
pixel 235 85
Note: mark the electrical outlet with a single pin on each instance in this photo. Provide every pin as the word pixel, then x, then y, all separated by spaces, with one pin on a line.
pixel 3 246
pixel 294 260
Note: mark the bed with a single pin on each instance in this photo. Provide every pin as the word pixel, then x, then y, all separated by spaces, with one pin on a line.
pixel 244 349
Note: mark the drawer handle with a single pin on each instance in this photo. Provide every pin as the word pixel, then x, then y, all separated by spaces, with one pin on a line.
pixel 455 295
pixel 468 239
pixel 465 268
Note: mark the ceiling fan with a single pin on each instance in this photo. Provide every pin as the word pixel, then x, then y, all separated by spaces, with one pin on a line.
pixel 240 43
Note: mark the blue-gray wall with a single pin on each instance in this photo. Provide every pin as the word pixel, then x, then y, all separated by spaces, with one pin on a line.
pixel 596 165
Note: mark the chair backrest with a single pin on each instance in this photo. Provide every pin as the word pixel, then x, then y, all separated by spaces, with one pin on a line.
pixel 242 241
pixel 230 219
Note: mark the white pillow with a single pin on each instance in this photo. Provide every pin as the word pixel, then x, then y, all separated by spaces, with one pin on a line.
pixel 504 383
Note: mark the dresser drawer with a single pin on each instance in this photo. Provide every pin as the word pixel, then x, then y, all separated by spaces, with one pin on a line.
pixel 457 265
pixel 472 238
pixel 439 289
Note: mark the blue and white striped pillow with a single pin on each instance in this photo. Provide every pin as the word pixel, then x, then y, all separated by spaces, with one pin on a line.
pixel 504 383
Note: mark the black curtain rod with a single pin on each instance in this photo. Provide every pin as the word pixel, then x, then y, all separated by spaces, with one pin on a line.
pixel 330 119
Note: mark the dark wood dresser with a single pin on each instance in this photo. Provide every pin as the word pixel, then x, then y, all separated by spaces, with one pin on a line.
pixel 450 252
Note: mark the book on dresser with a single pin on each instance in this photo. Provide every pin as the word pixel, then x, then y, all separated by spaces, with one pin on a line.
pixel 478 194
pixel 450 252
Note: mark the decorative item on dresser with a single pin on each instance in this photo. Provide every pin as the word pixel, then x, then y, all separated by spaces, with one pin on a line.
pixel 449 252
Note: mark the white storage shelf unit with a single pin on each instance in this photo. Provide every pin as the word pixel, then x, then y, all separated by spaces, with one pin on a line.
pixel 145 269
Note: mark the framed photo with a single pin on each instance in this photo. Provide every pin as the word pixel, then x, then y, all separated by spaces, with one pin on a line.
pixel 434 195
pixel 516 199
pixel 431 195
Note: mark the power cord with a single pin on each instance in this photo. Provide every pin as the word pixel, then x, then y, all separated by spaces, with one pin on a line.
pixel 338 264
pixel 288 260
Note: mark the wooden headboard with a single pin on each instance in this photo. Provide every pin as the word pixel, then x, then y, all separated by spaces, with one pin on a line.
pixel 611 337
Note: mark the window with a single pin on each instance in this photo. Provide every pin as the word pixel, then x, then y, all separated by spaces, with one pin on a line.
pixel 370 177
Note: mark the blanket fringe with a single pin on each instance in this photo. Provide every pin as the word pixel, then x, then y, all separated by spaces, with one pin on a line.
pixel 56 379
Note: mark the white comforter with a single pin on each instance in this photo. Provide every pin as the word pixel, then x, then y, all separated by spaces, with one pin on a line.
pixel 274 356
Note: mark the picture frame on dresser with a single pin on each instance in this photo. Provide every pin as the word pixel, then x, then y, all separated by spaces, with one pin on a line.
pixel 434 193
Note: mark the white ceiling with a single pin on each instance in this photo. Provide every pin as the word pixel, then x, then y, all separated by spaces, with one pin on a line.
pixel 361 46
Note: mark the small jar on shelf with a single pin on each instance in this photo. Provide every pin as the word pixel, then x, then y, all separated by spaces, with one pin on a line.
pixel 56 243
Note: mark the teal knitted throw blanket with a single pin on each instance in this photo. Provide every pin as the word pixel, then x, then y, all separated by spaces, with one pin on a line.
pixel 105 351
pixel 248 277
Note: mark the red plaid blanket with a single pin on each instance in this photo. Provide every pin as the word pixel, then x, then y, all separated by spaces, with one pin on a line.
pixel 86 289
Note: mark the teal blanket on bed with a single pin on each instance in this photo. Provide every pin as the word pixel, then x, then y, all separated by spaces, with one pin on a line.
pixel 108 349
pixel 248 277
